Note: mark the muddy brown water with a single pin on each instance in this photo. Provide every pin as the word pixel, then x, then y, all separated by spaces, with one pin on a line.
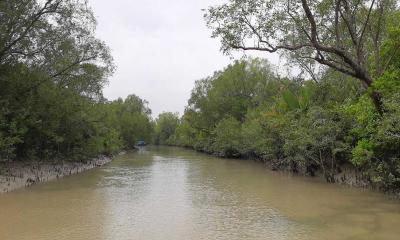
pixel 172 193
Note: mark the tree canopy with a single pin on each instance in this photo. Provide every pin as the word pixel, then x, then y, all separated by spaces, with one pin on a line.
pixel 344 35
pixel 247 111
pixel 52 72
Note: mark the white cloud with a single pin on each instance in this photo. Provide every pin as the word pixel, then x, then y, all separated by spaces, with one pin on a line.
pixel 160 48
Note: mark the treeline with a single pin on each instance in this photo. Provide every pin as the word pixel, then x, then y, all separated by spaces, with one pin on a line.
pixel 248 111
pixel 52 71
pixel 342 111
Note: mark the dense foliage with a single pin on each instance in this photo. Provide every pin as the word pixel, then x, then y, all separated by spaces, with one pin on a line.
pixel 347 36
pixel 165 127
pixel 52 71
pixel 247 111
pixel 346 115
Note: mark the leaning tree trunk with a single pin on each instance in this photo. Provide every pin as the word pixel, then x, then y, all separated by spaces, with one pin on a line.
pixel 375 96
pixel 377 100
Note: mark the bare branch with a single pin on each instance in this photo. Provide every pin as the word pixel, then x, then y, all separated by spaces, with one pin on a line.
pixel 366 22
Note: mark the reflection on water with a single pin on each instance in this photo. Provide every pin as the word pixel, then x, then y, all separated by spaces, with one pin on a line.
pixel 171 193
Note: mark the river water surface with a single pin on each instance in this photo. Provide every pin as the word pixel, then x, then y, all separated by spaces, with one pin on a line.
pixel 172 193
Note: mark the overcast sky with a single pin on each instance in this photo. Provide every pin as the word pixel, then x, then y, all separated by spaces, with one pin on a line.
pixel 160 48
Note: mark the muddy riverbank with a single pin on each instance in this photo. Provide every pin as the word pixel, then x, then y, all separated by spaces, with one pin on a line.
pixel 346 175
pixel 17 175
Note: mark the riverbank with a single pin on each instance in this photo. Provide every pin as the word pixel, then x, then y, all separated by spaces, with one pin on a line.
pixel 346 175
pixel 18 175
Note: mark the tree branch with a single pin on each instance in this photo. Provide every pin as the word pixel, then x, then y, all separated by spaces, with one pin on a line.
pixel 47 8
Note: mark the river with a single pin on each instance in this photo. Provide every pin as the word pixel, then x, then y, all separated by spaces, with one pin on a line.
pixel 172 193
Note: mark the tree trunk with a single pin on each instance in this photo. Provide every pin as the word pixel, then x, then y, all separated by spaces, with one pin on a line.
pixel 377 100
pixel 375 95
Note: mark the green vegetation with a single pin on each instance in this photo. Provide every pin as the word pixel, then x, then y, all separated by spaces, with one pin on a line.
pixel 304 126
pixel 52 71
pixel 165 127
pixel 344 111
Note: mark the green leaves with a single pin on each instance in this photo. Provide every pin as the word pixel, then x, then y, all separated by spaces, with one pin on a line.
pixel 315 35
pixel 165 127
pixel 291 101
pixel 299 101
pixel 227 140
pixel 52 72
pixel 362 153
